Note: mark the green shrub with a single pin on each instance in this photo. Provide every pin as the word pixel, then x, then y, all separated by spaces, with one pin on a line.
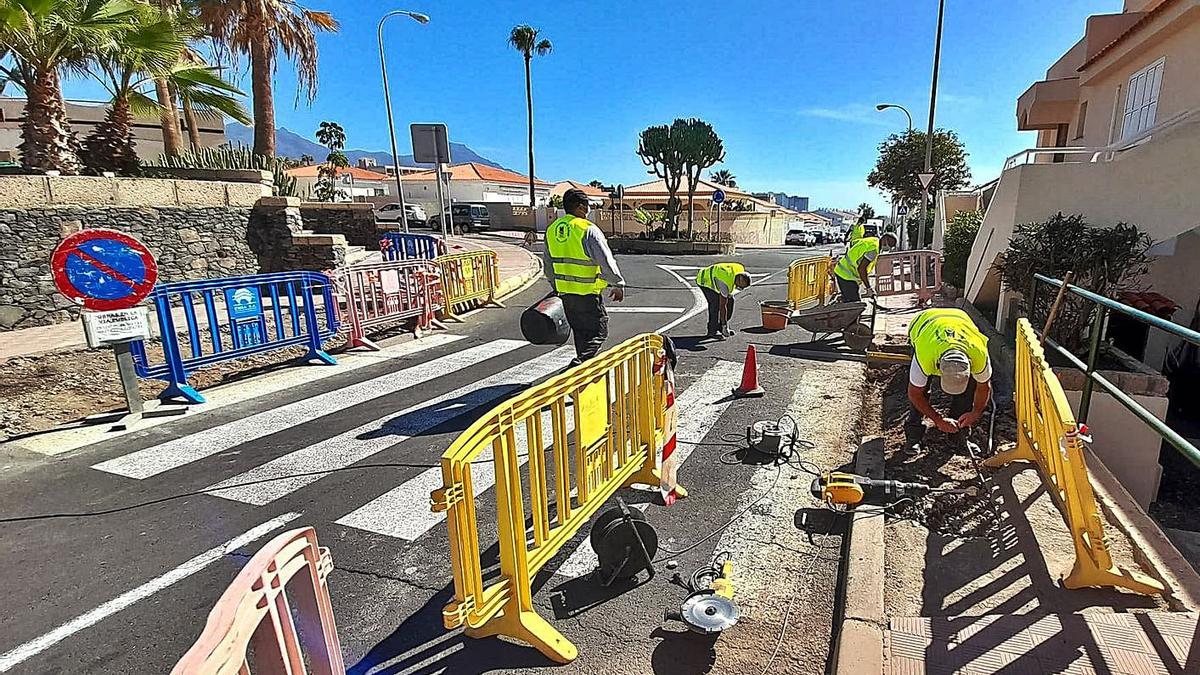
pixel 960 237
pixel 240 157
pixel 1105 261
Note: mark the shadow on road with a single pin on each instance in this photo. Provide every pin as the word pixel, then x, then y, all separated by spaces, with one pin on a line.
pixel 683 652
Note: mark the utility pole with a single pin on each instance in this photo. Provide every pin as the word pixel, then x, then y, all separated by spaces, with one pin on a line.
pixel 937 62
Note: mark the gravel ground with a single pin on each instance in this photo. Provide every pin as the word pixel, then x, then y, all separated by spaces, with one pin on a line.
pixel 49 390
pixel 1000 551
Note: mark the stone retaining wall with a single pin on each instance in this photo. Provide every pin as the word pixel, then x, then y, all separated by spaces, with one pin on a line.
pixel 189 243
pixel 356 222
pixel 197 242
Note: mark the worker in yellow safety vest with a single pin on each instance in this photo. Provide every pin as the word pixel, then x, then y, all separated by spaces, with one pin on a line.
pixel 857 231
pixel 580 264
pixel 947 345
pixel 718 283
pixel 856 265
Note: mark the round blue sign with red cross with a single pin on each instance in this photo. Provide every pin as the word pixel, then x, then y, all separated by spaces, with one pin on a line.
pixel 103 269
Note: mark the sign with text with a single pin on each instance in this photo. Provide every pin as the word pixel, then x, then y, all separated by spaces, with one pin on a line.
pixel 116 326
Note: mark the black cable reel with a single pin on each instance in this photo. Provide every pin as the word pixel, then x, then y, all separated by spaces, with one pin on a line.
pixel 625 544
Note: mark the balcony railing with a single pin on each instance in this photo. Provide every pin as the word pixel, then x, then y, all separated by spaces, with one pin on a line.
pixel 1104 154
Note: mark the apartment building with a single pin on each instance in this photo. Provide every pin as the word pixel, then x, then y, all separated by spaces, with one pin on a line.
pixel 1118 128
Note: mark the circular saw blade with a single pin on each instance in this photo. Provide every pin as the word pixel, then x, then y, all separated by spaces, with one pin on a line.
pixel 706 612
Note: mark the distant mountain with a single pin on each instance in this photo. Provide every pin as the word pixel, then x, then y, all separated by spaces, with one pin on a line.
pixel 290 144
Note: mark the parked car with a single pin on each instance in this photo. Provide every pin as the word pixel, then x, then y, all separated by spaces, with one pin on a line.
pixel 466 218
pixel 390 213
pixel 800 238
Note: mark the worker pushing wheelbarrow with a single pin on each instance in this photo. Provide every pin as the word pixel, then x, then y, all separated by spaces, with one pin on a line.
pixel 853 270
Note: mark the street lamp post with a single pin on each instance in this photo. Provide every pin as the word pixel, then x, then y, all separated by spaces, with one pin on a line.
pixel 885 106
pixel 387 101
pixel 937 62
pixel 901 230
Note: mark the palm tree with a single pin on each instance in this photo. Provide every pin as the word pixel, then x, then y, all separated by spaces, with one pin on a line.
pixel 46 36
pixel 306 160
pixel 524 38
pixel 866 211
pixel 168 115
pixel 148 49
pixel 259 29
pixel 332 136
pixel 203 94
pixel 723 177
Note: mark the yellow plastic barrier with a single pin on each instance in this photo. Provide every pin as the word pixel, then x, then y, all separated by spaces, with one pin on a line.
pixel 255 612
pixel 1049 436
pixel 618 416
pixel 468 278
pixel 808 282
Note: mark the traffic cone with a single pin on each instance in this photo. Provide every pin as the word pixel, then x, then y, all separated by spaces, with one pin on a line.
pixel 749 387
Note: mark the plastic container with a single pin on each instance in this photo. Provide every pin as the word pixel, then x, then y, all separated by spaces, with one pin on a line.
pixel 775 314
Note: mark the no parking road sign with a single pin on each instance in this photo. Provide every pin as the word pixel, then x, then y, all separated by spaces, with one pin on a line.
pixel 103 269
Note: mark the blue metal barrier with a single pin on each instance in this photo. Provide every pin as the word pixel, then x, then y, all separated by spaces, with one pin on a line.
pixel 261 313
pixel 400 246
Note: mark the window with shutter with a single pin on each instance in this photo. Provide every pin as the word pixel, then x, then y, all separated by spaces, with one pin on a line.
pixel 1141 99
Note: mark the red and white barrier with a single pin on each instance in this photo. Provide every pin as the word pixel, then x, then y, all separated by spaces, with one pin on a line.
pixel 382 293
pixel 903 272
pixel 279 597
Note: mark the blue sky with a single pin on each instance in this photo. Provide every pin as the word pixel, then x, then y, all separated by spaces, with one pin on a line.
pixel 790 85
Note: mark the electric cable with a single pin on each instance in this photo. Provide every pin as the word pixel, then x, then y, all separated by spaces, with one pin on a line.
pixel 709 572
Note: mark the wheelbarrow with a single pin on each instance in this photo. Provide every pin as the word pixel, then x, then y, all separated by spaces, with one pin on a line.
pixel 843 317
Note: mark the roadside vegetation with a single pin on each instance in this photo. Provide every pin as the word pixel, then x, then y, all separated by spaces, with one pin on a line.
pixel 153 58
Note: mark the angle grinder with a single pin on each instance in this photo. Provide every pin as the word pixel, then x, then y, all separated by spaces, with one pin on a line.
pixel 711 610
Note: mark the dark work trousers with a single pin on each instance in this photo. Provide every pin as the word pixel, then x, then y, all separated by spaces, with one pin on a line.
pixel 914 427
pixel 715 324
pixel 849 290
pixel 589 322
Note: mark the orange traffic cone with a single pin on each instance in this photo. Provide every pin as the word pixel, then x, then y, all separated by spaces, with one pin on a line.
pixel 749 387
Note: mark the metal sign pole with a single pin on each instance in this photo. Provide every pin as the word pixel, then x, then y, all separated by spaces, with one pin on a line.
pixel 129 380
pixel 442 203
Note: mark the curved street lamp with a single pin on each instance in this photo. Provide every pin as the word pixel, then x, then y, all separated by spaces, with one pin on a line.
pixel 885 106
pixel 387 100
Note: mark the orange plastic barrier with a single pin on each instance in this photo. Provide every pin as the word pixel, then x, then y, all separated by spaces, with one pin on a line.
pixel 255 612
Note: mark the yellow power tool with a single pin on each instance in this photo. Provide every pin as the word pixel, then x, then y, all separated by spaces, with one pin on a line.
pixel 848 489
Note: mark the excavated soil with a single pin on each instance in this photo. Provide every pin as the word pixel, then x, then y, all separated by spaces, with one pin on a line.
pixel 942 461
pixel 999 550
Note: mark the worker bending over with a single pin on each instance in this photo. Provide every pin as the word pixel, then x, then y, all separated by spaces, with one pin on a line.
pixel 718 283
pixel 856 266
pixel 947 345
pixel 580 265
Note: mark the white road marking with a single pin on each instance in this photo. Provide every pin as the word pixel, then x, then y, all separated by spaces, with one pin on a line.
pixel 176 453
pixel 646 310
pixel 221 396
pixel 19 654
pixel 699 407
pixel 360 443
pixel 404 511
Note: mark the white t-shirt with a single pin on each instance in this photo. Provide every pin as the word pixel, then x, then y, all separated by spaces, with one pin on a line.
pixel 918 378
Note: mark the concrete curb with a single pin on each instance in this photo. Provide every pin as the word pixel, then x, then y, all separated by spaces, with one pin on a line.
pixel 1151 547
pixel 518 283
pixel 858 646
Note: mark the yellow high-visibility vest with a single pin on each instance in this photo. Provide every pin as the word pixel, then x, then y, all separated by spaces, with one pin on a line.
pixel 573 271
pixel 726 272
pixel 847 267
pixel 936 331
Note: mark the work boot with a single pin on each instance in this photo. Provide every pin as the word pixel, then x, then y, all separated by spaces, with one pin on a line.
pixel 717 337
pixel 727 331
pixel 914 434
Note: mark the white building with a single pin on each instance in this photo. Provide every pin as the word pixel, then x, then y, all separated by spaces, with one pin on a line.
pixel 353 183
pixel 474 183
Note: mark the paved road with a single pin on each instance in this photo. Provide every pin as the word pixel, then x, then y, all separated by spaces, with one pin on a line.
pixel 128 592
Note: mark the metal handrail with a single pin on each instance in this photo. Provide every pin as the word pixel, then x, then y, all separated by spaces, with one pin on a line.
pixel 1099 319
